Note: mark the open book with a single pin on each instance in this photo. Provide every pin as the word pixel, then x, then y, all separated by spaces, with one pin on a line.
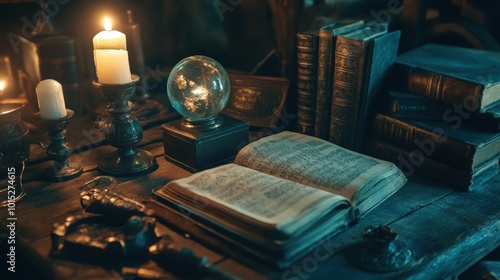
pixel 283 194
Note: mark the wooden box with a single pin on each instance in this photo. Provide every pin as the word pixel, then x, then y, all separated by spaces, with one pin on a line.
pixel 199 150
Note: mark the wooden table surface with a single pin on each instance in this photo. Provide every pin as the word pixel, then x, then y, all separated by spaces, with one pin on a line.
pixel 447 230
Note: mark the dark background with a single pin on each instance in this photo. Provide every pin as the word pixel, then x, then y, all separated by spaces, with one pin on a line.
pixel 240 39
pixel 244 34
pixel 170 30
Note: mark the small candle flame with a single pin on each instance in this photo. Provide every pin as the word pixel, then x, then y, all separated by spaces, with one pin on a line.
pixel 107 24
pixel 2 86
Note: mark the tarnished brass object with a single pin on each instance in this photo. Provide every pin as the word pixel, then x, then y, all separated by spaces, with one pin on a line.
pixel 380 251
pixel 123 131
pixel 14 151
pixel 58 150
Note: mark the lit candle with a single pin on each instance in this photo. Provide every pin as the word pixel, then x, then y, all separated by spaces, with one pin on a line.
pixel 50 100
pixel 2 87
pixel 109 39
pixel 111 56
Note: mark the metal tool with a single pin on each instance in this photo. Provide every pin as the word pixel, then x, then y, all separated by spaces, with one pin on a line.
pixel 114 229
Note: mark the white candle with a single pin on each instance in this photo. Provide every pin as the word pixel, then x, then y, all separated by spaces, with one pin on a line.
pixel 50 100
pixel 111 56
pixel 110 39
pixel 112 66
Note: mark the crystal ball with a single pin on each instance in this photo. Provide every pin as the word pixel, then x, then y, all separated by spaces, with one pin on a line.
pixel 198 87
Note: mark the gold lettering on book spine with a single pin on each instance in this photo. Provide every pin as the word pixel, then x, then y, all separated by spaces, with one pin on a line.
pixel 307 69
pixel 346 72
pixel 324 96
pixel 306 57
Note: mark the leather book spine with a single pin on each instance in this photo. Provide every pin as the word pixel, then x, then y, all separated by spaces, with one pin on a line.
pixel 307 72
pixel 415 163
pixel 324 97
pixel 326 60
pixel 415 107
pixel 347 87
pixel 410 106
pixel 444 88
pixel 433 144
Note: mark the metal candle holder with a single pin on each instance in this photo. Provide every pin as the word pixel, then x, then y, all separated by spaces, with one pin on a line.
pixel 124 132
pixel 14 151
pixel 59 151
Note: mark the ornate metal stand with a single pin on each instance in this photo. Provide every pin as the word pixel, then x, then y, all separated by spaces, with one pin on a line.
pixel 380 251
pixel 14 151
pixel 59 151
pixel 124 132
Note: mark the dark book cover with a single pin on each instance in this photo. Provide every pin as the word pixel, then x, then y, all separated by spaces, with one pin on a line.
pixel 326 59
pixel 409 106
pixel 383 54
pixel 453 75
pixel 362 58
pixel 462 147
pixel 412 162
pixel 403 105
pixel 307 73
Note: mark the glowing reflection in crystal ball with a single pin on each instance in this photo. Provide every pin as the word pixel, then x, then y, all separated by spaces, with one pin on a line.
pixel 198 87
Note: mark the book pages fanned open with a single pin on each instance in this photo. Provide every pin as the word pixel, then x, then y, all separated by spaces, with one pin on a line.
pixel 283 194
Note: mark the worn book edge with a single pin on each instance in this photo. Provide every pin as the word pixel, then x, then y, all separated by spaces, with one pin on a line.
pixel 411 162
pixel 462 147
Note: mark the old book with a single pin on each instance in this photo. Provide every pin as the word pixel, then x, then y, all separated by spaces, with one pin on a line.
pixel 326 59
pixel 457 145
pixel 283 194
pixel 362 59
pixel 415 162
pixel 453 75
pixel 307 73
pixel 382 56
pixel 403 105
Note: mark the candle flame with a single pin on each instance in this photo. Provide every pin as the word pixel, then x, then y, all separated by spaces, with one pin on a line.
pixel 107 24
pixel 2 85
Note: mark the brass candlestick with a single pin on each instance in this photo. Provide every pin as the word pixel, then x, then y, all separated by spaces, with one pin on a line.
pixel 124 132
pixel 59 151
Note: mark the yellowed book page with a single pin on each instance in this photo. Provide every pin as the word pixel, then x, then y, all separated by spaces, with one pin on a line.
pixel 256 196
pixel 312 161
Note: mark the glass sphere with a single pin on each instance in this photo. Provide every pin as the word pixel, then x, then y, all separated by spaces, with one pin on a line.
pixel 198 87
